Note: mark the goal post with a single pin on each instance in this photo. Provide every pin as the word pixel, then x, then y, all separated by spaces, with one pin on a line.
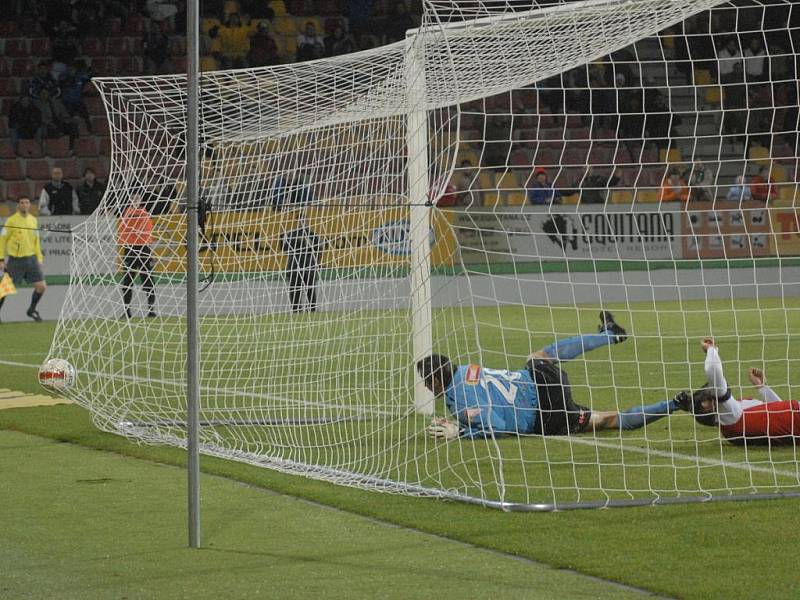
pixel 494 183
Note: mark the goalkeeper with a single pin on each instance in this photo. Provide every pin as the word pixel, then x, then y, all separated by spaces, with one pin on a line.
pixel 535 400
pixel 769 421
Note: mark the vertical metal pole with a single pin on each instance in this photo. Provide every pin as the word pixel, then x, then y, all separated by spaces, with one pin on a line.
pixel 192 337
pixel 420 225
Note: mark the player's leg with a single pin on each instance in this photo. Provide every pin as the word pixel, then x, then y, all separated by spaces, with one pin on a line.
pixel 294 281
pixel 311 287
pixel 609 333
pixel 34 274
pixel 634 417
pixel 146 274
pixel 128 267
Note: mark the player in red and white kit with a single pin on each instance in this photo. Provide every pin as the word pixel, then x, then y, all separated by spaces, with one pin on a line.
pixel 747 421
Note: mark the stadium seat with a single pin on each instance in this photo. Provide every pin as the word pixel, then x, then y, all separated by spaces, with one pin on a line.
pixel 516 198
pixel 621 197
pixel 16 189
pixel 648 196
pixel 134 26
pixel 11 170
pixel 520 158
pixel 673 155
pixel 114 25
pixel 5 67
pixel 507 181
pixel 209 63
pixel 786 193
pixel 8 29
pixel 69 167
pixel 116 46
pixel 5 209
pixel 86 146
pixel 702 77
pixel 41 47
pixel 57 148
pixel 16 47
pixel 290 43
pixel 571 199
pixel 285 25
pixel 29 149
pixel 104 145
pixel 9 86
pixel 759 155
pixel 491 199
pixel 21 67
pixel 278 7
pixel 6 151
pixel 37 169
pixel 100 125
pixel 713 95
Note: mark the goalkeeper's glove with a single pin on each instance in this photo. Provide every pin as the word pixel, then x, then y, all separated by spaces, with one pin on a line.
pixel 684 401
pixel 443 429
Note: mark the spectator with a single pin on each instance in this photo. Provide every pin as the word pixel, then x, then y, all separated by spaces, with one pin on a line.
pixel 443 192
pixel 673 188
pixel 162 10
pixel 24 122
pixel 303 249
pixel 43 80
pixel 90 192
pixel 263 48
pixel 366 41
pixel 595 186
pixel 398 23
pixel 155 48
pixel 65 48
pixel 56 120
pixel 234 40
pixel 136 238
pixel 72 84
pixel 58 197
pixel 541 190
pixel 701 183
pixel 754 60
pixel 339 42
pixel 740 192
pixel 729 58
pixel 309 44
pixel 762 186
pixel 463 179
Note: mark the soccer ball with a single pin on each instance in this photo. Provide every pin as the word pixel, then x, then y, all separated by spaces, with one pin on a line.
pixel 57 374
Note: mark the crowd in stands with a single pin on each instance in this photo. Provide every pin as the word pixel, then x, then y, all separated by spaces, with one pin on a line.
pixel 579 134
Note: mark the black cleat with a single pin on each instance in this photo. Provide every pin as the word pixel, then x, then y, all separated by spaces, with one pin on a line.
pixel 609 325
pixel 34 314
pixel 151 314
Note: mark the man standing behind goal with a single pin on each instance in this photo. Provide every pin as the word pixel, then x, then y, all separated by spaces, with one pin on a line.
pixel 19 239
pixel 136 238
pixel 302 248
pixel 535 400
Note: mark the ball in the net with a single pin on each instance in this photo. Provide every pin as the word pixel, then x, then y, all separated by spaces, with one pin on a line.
pixel 57 374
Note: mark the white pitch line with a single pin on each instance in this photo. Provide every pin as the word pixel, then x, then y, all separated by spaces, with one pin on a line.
pixel 584 441
pixel 242 393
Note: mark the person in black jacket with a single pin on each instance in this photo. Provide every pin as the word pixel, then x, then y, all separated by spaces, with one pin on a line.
pixel 303 248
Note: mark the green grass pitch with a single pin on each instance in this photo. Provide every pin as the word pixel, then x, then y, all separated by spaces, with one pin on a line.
pixel 702 551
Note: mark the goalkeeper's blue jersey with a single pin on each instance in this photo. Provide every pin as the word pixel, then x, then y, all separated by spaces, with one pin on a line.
pixel 489 402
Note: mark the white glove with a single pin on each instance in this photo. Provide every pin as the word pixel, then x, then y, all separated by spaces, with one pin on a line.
pixel 442 428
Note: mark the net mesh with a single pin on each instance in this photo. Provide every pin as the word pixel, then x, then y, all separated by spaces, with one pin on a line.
pixel 642 117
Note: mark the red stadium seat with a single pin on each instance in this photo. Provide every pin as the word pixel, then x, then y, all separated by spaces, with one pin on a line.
pixel 11 170
pixel 93 47
pixel 29 149
pixel 100 125
pixel 41 47
pixel 114 25
pixel 9 86
pixel 117 46
pixel 69 167
pixel 104 146
pixel 16 47
pixel 22 67
pixel 6 151
pixel 86 146
pixel 15 189
pixel 5 67
pixel 134 26
pixel 57 148
pixel 37 169
pixel 8 29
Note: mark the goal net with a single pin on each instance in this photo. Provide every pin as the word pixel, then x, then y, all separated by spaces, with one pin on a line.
pixel 478 191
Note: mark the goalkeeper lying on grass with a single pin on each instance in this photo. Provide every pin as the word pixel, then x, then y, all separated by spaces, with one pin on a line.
pixel 534 400
pixel 745 421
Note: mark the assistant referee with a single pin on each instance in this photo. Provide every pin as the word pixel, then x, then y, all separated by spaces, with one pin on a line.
pixel 19 240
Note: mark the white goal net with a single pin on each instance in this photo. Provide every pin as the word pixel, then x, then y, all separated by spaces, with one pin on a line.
pixel 479 191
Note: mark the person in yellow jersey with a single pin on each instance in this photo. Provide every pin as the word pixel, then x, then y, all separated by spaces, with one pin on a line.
pixel 19 241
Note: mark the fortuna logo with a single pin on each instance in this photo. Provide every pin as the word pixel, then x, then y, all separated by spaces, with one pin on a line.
pixel 45 375
pixel 473 374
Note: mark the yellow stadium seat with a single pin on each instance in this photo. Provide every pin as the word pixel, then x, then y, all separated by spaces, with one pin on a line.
pixel 278 7
pixel 673 155
pixel 572 199
pixel 786 193
pixel 34 210
pixel 208 63
pixel 713 95
pixel 285 25
pixel 759 155
pixel 507 181
pixel 778 173
pixel 516 198
pixel 486 180
pixel 621 197
pixel 648 196
pixel 702 77
pixel 491 199
pixel 207 24
pixel 469 155
pixel 290 43
pixel 4 210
